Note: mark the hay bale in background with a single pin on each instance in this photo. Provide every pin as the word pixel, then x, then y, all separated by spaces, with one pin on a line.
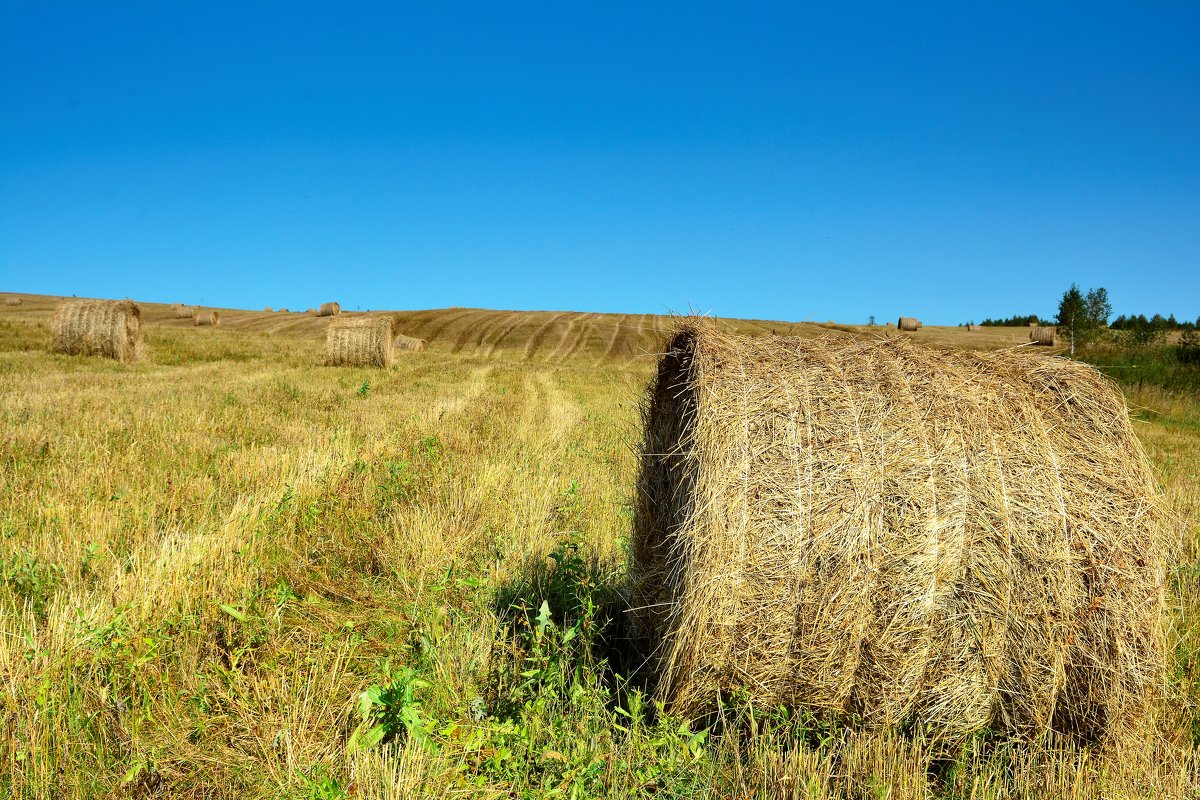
pixel 402 342
pixel 893 535
pixel 183 312
pixel 109 328
pixel 269 310
pixel 283 311
pixel 329 310
pixel 209 318
pixel 908 323
pixel 1042 336
pixel 360 341
pixel 13 301
pixel 973 328
pixel 311 311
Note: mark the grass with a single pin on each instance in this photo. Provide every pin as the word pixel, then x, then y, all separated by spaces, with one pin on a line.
pixel 228 572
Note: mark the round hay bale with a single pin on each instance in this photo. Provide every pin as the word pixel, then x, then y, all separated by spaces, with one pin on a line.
pixel 183 312
pixel 891 535
pixel 269 310
pixel 207 318
pixel 409 343
pixel 329 310
pixel 283 311
pixel 908 323
pixel 109 328
pixel 1044 337
pixel 360 341
pixel 311 311
pixel 974 328
pixel 13 301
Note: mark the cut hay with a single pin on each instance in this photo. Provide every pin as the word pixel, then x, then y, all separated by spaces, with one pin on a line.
pixel 1042 336
pixel 908 323
pixel 207 318
pixel 13 301
pixel 109 328
pixel 183 312
pixel 329 310
pixel 361 341
pixel 889 535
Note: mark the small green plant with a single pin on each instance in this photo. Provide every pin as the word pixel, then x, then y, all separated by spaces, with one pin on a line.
pixel 31 580
pixel 390 710
pixel 364 390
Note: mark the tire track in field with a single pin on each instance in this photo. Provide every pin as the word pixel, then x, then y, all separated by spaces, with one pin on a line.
pixel 517 319
pixel 611 345
pixel 585 325
pixel 449 318
pixel 477 329
pixel 457 402
pixel 539 336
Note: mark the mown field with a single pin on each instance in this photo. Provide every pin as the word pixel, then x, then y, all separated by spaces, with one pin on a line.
pixel 228 571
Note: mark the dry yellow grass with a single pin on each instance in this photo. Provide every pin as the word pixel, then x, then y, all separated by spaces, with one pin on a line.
pixel 199 583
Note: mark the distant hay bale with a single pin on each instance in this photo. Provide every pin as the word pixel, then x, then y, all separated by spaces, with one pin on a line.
pixel 361 341
pixel 973 328
pixel 269 310
pixel 908 323
pixel 13 301
pixel 109 328
pixel 183 312
pixel 889 535
pixel 311 311
pixel 329 310
pixel 1042 336
pixel 283 311
pixel 208 318
pixel 409 343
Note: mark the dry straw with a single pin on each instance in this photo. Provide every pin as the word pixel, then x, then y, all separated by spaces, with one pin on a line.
pixel 13 301
pixel 183 312
pixel 1042 336
pixel 208 318
pixel 110 328
pixel 361 341
pixel 409 343
pixel 892 535
pixel 908 323
pixel 329 310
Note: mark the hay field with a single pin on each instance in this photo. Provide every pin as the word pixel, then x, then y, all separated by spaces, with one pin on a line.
pixel 216 559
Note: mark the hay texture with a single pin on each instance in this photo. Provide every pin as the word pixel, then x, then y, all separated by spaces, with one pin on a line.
pixel 908 323
pixel 207 318
pixel 109 328
pixel 13 301
pixel 891 535
pixel 361 342
pixel 329 310
pixel 183 312
pixel 1042 336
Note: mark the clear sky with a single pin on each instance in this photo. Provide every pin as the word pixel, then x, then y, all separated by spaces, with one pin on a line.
pixel 947 160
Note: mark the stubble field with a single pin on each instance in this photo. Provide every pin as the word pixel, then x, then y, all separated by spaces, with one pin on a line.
pixel 228 571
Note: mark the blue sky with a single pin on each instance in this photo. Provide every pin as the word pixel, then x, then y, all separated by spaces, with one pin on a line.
pixel 948 160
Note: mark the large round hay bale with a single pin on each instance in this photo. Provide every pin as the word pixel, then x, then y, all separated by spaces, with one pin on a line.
pixel 908 323
pixel 891 535
pixel 269 310
pixel 974 328
pixel 183 312
pixel 1042 336
pixel 360 341
pixel 207 318
pixel 109 328
pixel 329 310
pixel 13 301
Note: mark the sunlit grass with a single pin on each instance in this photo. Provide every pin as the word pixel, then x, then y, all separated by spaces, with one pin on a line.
pixel 211 556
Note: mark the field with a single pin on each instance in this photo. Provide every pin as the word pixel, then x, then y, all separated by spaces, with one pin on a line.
pixel 228 571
